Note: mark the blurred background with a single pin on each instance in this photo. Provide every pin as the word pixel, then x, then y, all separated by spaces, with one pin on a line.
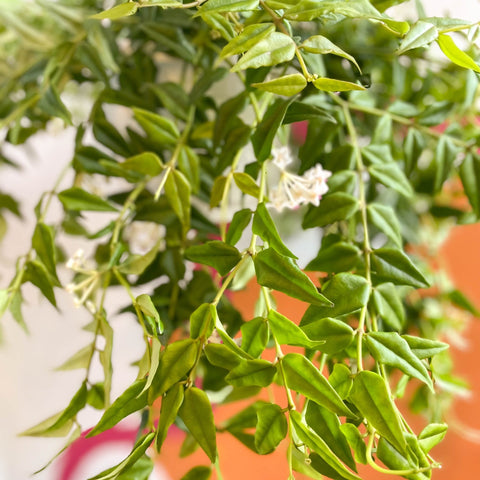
pixel 32 390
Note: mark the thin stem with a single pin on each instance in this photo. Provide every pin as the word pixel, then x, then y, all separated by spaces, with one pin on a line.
pixel 378 468
pixel 228 280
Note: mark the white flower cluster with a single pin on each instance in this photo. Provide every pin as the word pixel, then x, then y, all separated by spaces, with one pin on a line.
pixel 295 190
pixel 88 283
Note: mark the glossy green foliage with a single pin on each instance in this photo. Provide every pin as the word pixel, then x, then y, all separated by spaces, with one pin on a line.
pixel 212 188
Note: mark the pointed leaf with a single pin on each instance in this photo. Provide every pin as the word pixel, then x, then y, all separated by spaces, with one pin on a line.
pixel 200 472
pixel 392 177
pixel 171 403
pixel 239 223
pixel 119 11
pixel 370 395
pixel 327 426
pixel 76 199
pixel 272 50
pixel 445 155
pixel 303 377
pixel 176 361
pixel 37 274
pixel 145 304
pixel 219 255
pixel 420 35
pixel 52 105
pixel 80 359
pixel 127 403
pixel 317 445
pixel 456 55
pixel 177 191
pixel 389 305
pixel 196 413
pixel 394 266
pixel 287 85
pixel 287 333
pixel 43 241
pixel 339 257
pixel 271 428
pixel 252 372
pixel 347 292
pixel 385 219
pixel 424 347
pixel 159 129
pixel 281 273
pixel 146 163
pixel 432 435
pixel 255 336
pixel 250 36
pixel 322 45
pixel 332 85
pixel 202 321
pixel 220 6
pixel 391 349
pixel 341 379
pixel 334 335
pixel 356 442
pixel 264 227
pixel 264 134
pixel 469 172
pixel 333 208
pixel 246 184
pixel 221 356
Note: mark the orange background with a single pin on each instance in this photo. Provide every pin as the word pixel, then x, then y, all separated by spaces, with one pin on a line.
pixel 460 457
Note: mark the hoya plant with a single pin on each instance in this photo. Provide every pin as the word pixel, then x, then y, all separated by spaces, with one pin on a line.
pixel 246 124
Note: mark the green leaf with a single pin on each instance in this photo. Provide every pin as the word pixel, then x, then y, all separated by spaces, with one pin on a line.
pixel 322 45
pixel 43 241
pixel 333 208
pixel 335 258
pixel 141 470
pixel 146 163
pixel 130 401
pixel 52 105
pixel 370 395
pixel 264 227
pixel 390 175
pixel 271 428
pixel 347 292
pixel 250 36
pixel 44 428
pixel 200 472
pixel 300 111
pixel 333 85
pixel 105 355
pixel 221 356
pixel 136 264
pixel 239 223
pixel 177 191
pixel 281 273
pixel 272 50
pixel 117 12
pixel 341 380
pixel 334 335
pixel 80 359
pixel 286 85
pixel 159 129
pixel 445 155
pixel 303 377
pixel 413 147
pixel 385 219
pixel 171 403
pixel 264 134
pixel 394 266
pixel 287 333
pixel 76 199
pixel 146 306
pixel 252 372
pixel 356 442
pixel 255 336
pixel 327 426
pixel 469 172
pixel 221 6
pixel 423 347
pixel 391 349
pixel 196 413
pixel 218 190
pixel 219 255
pixel 389 305
pixel 420 35
pixel 456 55
pixel 177 360
pixel 246 184
pixel 432 435
pixel 202 321
pixel 301 463
pixel 138 451
pixel 37 274
pixel 317 445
